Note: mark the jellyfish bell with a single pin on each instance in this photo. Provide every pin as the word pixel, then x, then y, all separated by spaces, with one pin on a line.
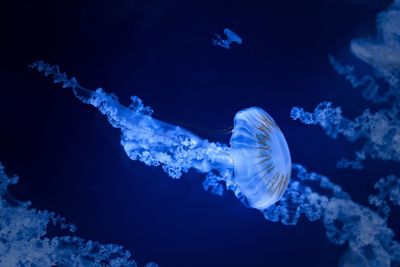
pixel 261 158
pixel 232 36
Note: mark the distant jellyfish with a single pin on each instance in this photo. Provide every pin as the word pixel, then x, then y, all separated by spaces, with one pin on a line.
pixel 367 256
pixel 231 37
pixel 256 166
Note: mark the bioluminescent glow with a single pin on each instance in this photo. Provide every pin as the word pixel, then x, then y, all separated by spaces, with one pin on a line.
pixel 230 37
pixel 257 164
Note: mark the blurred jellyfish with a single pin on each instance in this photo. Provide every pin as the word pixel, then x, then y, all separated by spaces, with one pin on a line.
pixel 27 241
pixel 353 259
pixel 364 229
pixel 379 129
pixel 231 37
pixel 256 166
pixel 369 239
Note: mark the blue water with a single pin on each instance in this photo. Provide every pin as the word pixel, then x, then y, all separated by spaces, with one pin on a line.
pixel 70 161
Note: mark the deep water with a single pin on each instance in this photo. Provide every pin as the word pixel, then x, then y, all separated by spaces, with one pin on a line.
pixel 70 161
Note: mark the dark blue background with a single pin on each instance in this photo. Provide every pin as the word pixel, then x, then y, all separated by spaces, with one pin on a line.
pixel 69 158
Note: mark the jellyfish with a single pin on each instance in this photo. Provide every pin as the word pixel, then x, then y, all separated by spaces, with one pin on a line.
pixel 231 37
pixel 26 238
pixel 256 165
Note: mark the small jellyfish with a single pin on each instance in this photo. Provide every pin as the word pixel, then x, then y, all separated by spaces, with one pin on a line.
pixel 231 37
